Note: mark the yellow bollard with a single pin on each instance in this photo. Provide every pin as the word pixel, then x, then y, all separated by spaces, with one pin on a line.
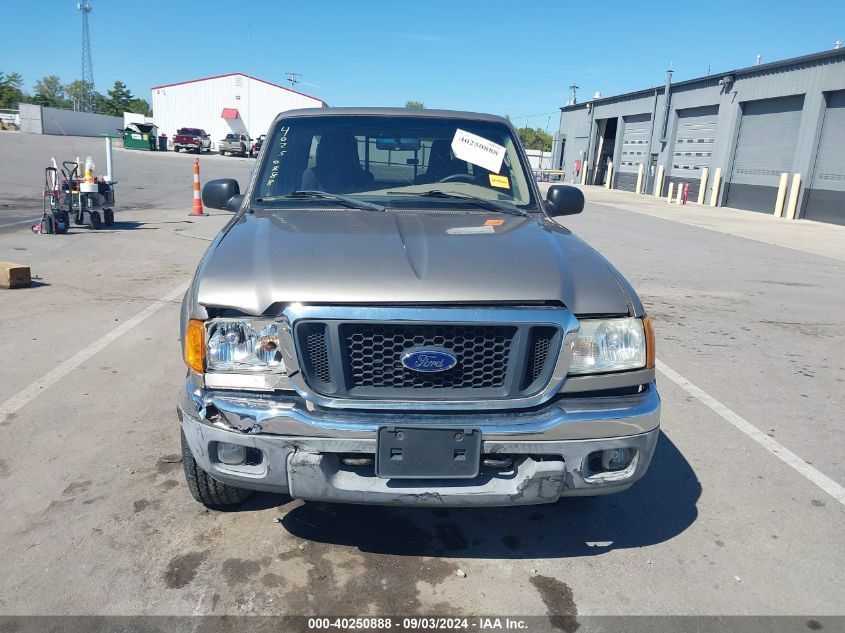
pixel 669 197
pixel 609 176
pixel 791 208
pixel 702 188
pixel 584 169
pixel 680 193
pixel 717 180
pixel 784 181
pixel 639 179
pixel 658 182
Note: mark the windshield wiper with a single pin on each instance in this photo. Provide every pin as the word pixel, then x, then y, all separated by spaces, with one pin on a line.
pixel 346 201
pixel 484 203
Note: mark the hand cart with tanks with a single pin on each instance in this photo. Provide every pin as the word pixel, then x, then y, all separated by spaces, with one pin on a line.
pixel 68 198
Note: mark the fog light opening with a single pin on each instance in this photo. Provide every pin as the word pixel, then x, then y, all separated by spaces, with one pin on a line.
pixel 611 460
pixel 615 459
pixel 231 454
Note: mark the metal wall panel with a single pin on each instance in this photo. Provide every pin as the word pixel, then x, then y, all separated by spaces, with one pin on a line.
pixel 826 196
pixel 577 148
pixel 69 123
pixel 31 122
pixel 768 135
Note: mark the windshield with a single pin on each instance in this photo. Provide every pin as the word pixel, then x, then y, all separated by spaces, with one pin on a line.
pixel 394 161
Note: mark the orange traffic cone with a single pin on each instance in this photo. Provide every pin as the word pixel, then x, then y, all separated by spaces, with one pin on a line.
pixel 197 199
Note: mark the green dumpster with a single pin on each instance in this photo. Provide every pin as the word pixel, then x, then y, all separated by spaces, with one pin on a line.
pixel 140 136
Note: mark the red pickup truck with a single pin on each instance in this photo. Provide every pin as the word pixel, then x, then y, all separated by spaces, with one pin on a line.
pixel 192 138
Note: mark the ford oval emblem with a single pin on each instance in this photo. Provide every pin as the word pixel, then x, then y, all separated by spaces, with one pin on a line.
pixel 428 360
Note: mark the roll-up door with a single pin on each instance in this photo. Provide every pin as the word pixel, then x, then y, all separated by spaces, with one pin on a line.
pixel 694 138
pixel 768 134
pixel 826 195
pixel 635 144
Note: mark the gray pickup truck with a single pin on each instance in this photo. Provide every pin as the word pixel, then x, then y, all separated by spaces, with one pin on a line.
pixel 235 144
pixel 394 316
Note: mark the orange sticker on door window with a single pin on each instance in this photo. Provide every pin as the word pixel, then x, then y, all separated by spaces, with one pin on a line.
pixel 499 181
pixel 493 222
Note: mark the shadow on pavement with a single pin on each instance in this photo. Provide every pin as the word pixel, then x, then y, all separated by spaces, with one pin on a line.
pixel 656 509
pixel 128 225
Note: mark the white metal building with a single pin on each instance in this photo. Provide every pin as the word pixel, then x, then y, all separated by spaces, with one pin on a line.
pixel 224 104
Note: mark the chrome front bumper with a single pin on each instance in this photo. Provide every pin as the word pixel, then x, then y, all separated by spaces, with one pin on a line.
pixel 302 446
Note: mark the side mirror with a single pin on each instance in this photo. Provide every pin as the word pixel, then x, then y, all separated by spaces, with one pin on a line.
pixel 224 193
pixel 564 200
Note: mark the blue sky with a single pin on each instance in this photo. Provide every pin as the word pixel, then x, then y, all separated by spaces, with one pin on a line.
pixel 515 58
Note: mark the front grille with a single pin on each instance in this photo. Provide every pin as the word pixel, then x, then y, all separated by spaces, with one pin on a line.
pixel 375 353
pixel 363 359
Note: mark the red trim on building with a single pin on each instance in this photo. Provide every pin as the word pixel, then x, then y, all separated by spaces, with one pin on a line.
pixel 230 113
pixel 193 81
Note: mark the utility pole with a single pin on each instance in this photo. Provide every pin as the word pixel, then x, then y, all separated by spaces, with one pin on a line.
pixel 293 78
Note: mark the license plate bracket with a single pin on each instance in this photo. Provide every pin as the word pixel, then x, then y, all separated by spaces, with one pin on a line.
pixel 427 453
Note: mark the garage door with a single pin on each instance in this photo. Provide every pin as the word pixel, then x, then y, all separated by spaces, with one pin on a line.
pixel 768 134
pixel 635 144
pixel 694 139
pixel 826 196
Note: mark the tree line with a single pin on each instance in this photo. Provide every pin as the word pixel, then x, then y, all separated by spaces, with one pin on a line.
pixel 532 138
pixel 50 91
pixel 536 138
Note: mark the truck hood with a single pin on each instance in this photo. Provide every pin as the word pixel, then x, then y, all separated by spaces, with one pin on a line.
pixel 347 256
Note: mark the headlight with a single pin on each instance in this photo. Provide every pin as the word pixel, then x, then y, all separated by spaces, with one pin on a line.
pixel 610 345
pixel 243 345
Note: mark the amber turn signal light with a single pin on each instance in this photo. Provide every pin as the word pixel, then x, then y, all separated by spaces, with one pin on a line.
pixel 195 346
pixel 649 342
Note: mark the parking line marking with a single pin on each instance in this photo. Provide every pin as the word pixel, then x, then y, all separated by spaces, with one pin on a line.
pixel 775 448
pixel 65 367
pixel 32 221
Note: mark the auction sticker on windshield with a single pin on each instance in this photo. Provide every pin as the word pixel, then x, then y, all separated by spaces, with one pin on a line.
pixel 478 150
pixel 499 181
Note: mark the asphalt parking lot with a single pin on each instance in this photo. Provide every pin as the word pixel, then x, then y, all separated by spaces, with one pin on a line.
pixel 145 180
pixel 741 512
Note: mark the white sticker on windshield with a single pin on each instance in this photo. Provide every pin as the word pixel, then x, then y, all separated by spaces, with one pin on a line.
pixel 478 150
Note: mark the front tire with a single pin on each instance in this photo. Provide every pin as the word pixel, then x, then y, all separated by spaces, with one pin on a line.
pixel 207 490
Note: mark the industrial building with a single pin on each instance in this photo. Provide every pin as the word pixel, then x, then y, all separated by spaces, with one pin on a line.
pixel 767 138
pixel 223 104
